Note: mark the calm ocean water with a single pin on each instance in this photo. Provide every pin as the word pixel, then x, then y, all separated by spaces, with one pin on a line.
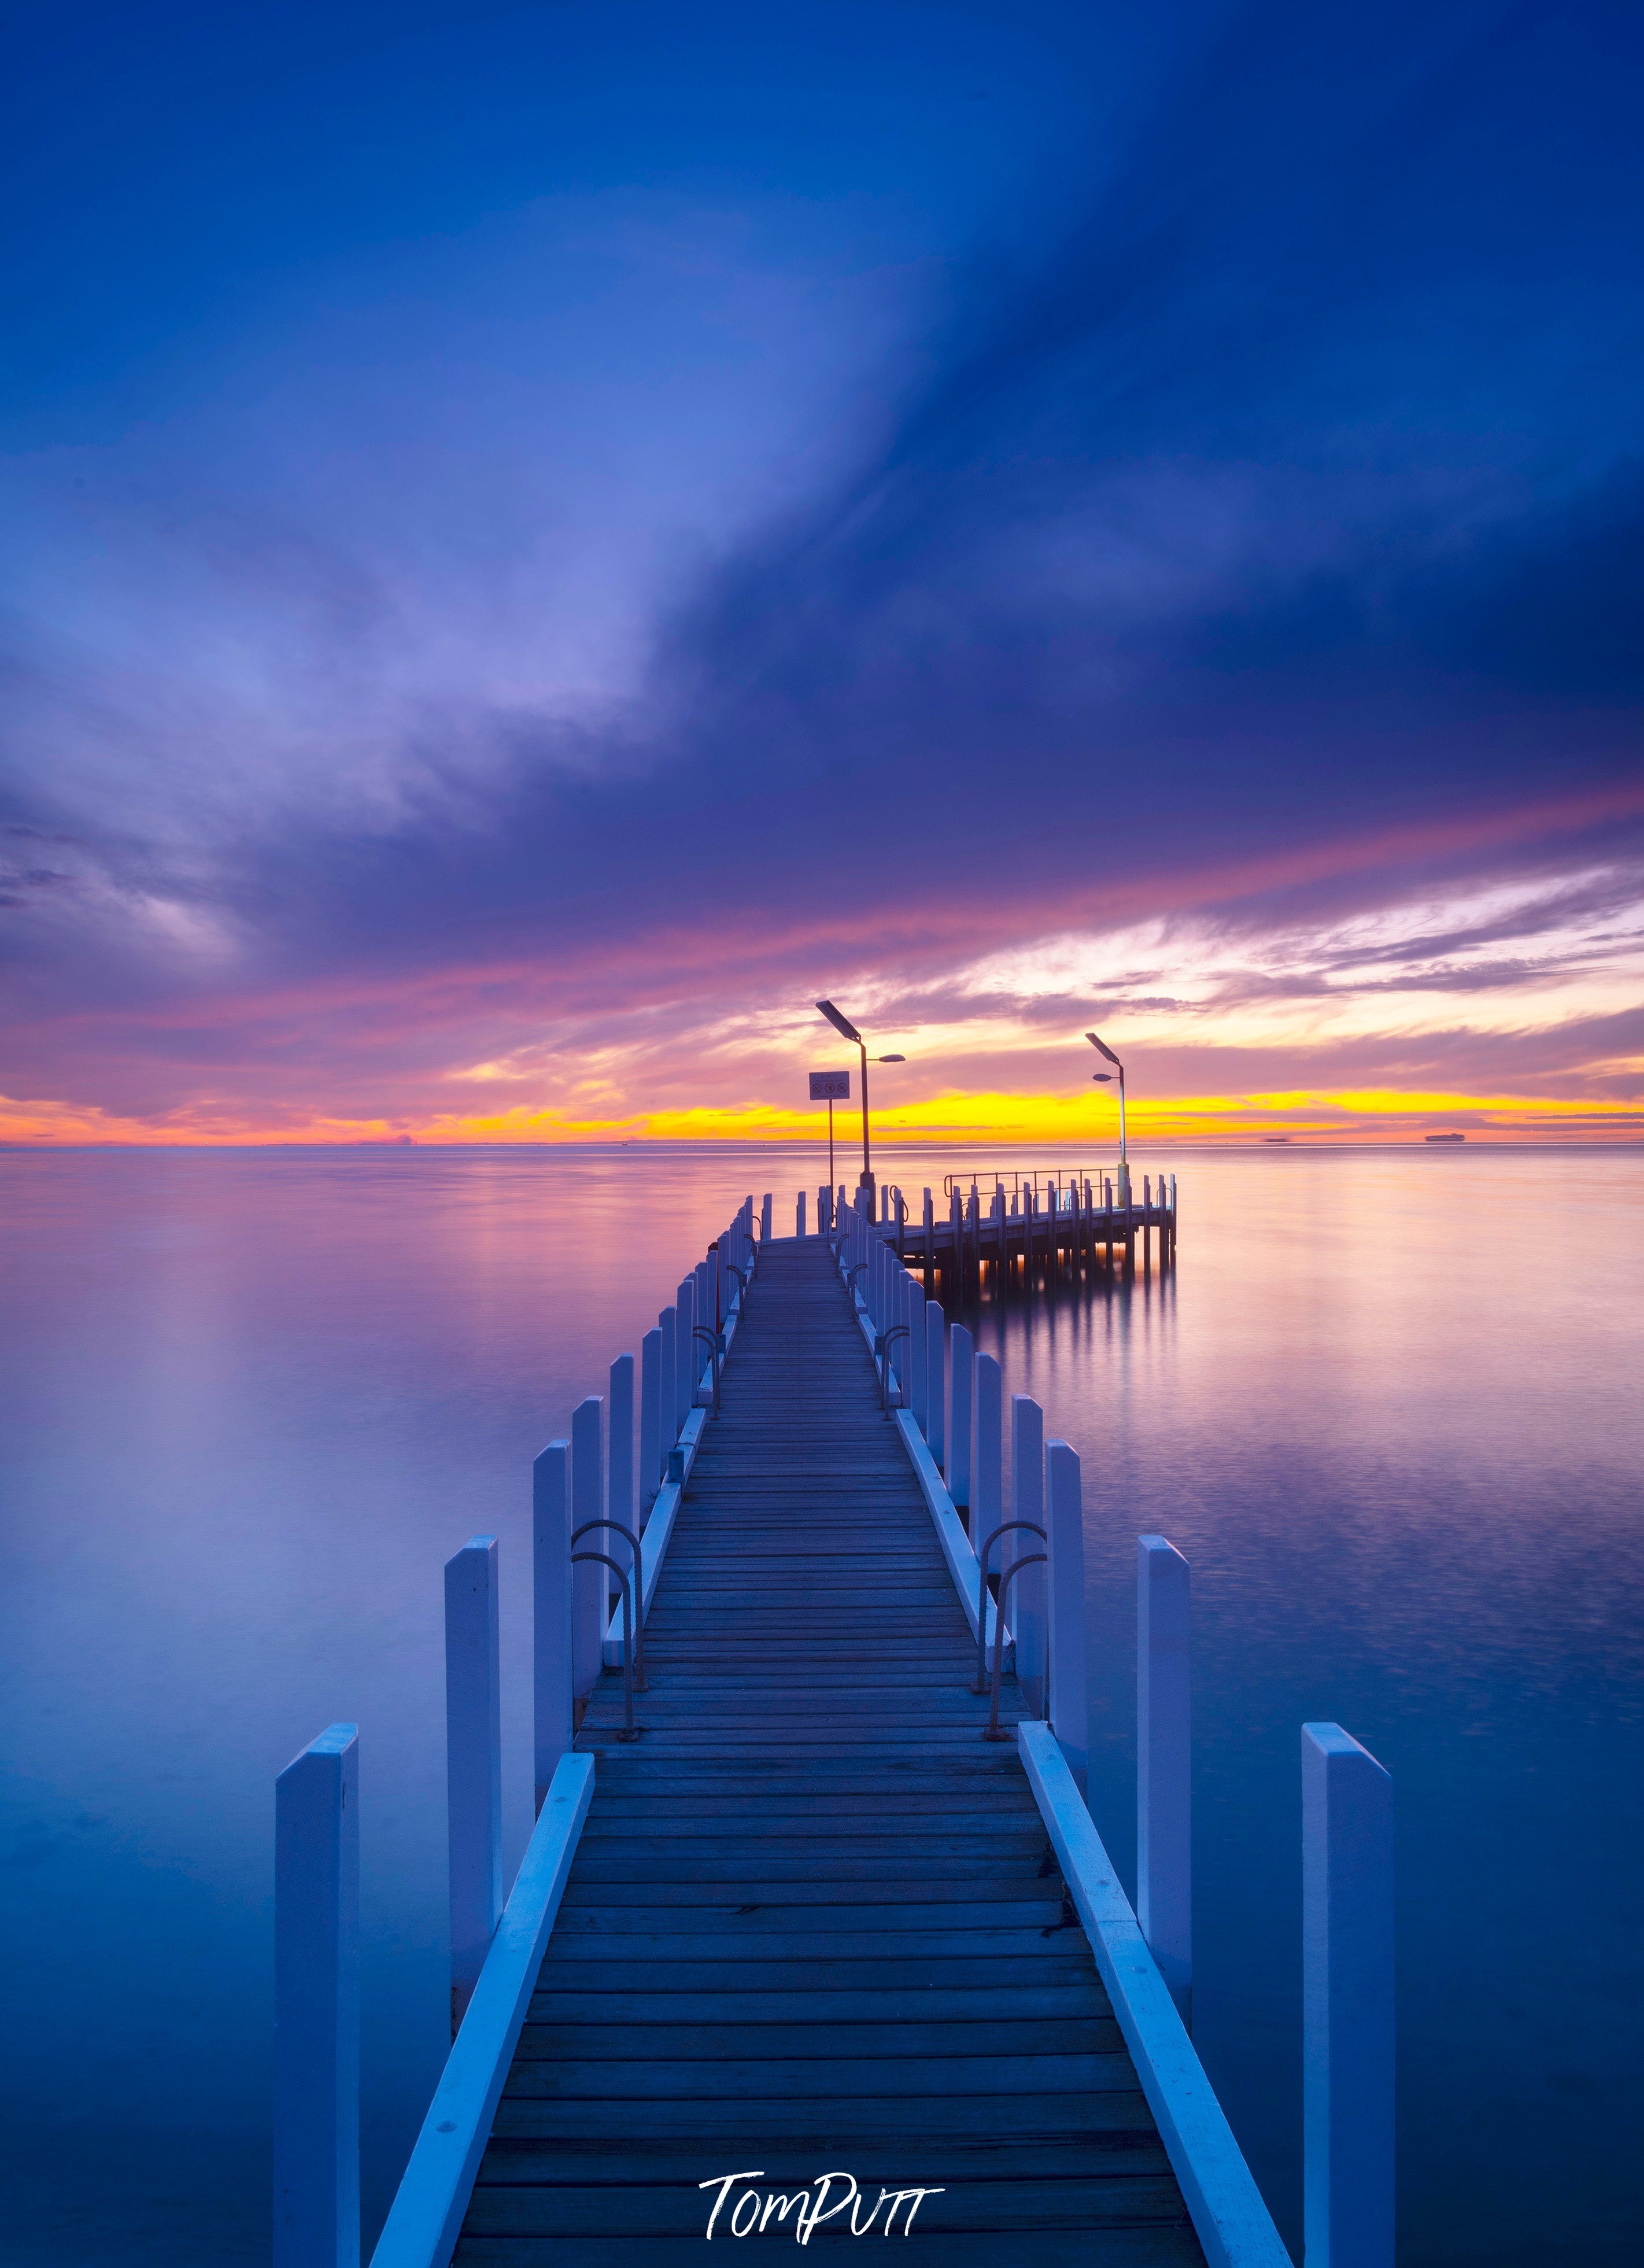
pixel 1389 1406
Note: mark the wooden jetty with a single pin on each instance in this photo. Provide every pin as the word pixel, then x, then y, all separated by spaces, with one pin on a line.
pixel 990 1225
pixel 813 1938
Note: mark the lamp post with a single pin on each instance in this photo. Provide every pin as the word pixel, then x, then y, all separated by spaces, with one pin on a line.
pixel 865 1194
pixel 1105 1079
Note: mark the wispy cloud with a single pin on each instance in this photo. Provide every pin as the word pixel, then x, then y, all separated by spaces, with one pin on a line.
pixel 541 668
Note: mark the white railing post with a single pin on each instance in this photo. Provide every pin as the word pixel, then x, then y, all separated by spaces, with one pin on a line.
pixel 590 1587
pixel 688 1353
pixel 1164 1847
pixel 473 1763
pixel 914 1353
pixel 316 2005
pixel 935 1378
pixel 961 1358
pixel 799 1214
pixel 987 1480
pixel 551 1611
pixel 620 1484
pixel 765 1216
pixel 668 1386
pixel 650 1362
pixel 1346 2002
pixel 1025 1609
pixel 1064 1523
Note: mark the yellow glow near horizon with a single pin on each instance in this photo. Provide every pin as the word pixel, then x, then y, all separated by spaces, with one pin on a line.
pixel 959 1117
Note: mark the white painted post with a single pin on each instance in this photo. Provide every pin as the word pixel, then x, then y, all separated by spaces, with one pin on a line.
pixel 1064 1521
pixel 473 1763
pixel 987 1480
pixel 590 1588
pixel 1164 1849
pixel 668 1386
pixel 1025 1610
pixel 650 1358
pixel 689 1354
pixel 799 1214
pixel 765 1216
pixel 1346 2002
pixel 935 1378
pixel 551 1611
pixel 914 1349
pixel 620 1484
pixel 961 1357
pixel 316 2005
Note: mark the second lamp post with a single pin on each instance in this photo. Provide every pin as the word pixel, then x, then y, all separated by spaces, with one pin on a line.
pixel 865 1192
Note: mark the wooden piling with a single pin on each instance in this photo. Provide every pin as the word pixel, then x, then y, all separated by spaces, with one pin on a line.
pixel 1346 2002
pixel 473 1763
pixel 316 2005
pixel 552 1675
pixel 1165 1763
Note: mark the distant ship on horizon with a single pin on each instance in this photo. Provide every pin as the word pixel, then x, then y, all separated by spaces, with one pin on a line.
pixel 1444 1137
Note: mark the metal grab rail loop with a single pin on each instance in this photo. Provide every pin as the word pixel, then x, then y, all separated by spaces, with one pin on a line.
pixel 980 1684
pixel 716 1355
pixel 882 1349
pixel 631 1536
pixel 994 1730
pixel 629 1730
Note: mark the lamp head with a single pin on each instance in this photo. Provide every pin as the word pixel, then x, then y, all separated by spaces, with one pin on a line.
pixel 1104 1078
pixel 1101 1048
pixel 842 1024
pixel 892 1058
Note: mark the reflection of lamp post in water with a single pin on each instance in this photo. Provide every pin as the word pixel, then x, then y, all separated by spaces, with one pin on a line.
pixel 1106 1078
pixel 843 1025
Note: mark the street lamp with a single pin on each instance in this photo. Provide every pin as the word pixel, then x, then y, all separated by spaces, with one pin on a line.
pixel 843 1025
pixel 1106 1078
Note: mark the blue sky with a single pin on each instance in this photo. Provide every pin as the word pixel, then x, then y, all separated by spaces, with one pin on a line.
pixel 536 541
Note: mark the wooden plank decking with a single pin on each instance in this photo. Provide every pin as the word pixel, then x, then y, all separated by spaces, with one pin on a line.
pixel 814 1921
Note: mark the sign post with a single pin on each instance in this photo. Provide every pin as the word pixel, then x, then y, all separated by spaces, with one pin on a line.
pixel 830 1087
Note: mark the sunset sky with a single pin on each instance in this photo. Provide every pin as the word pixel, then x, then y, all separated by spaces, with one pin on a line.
pixel 535 541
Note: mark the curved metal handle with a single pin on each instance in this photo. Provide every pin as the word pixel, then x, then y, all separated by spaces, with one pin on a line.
pixel 881 1348
pixel 980 1683
pixel 716 1348
pixel 629 1731
pixel 994 1730
pixel 632 1539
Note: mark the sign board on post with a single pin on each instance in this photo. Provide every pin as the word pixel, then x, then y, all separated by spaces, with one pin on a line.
pixel 829 1086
